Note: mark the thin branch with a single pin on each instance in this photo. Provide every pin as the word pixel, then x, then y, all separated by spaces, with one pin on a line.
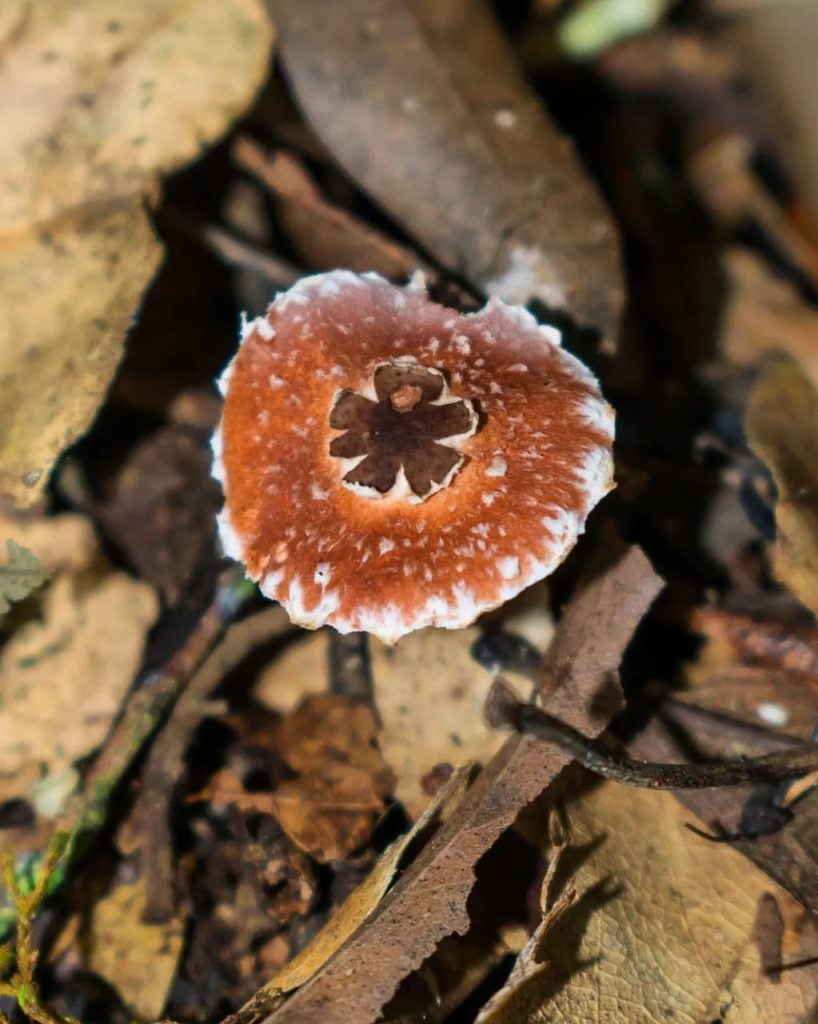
pixel 504 708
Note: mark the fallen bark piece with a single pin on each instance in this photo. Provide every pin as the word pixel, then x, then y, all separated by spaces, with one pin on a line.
pixel 354 911
pixel 429 902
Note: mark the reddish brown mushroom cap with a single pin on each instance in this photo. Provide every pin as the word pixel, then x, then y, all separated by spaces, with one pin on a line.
pixel 390 464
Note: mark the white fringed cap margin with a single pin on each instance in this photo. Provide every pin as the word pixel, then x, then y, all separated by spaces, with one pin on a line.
pixel 390 464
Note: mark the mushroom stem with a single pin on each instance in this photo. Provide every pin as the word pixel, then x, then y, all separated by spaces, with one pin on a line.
pixel 349 665
pixel 503 708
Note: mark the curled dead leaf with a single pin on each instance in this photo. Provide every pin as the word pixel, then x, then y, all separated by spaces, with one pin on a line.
pixel 330 808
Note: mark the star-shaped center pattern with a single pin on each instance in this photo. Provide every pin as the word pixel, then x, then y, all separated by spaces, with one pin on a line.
pixel 402 429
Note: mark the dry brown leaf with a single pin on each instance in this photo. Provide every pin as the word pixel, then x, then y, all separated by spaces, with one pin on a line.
pixel 464 156
pixel 99 99
pixel 362 901
pixel 324 236
pixel 138 959
pixel 429 693
pixel 62 680
pixel 756 671
pixel 328 816
pixel 330 729
pixel 668 926
pixel 782 429
pixel 430 900
pixel 329 810
pixel 163 509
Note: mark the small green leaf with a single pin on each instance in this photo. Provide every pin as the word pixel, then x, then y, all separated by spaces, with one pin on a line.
pixel 19 576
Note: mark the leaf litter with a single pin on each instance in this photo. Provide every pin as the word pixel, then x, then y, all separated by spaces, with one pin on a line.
pixel 96 111
pixel 207 812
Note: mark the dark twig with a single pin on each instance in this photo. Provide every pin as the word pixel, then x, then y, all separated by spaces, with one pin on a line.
pixel 794 966
pixel 504 708
pixel 165 763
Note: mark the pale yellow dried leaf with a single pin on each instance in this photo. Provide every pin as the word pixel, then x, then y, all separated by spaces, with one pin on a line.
pixel 302 670
pixel 99 98
pixel 665 927
pixel 67 298
pixel 62 680
pixel 782 429
pixel 430 693
pixel 138 959
pixel 354 911
pixel 61 542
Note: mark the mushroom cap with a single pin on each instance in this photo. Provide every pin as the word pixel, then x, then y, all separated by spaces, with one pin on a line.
pixel 390 464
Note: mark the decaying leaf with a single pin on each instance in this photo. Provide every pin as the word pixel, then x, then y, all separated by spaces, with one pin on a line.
pixel 667 926
pixel 429 693
pixel 137 958
pixel 163 510
pixel 62 679
pixel 466 159
pixel 341 780
pixel 362 902
pixel 100 98
pixel 85 273
pixel 782 428
pixel 429 901
pixel 20 575
pixel 329 809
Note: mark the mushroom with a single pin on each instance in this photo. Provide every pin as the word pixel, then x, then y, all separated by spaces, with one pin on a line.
pixel 390 464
